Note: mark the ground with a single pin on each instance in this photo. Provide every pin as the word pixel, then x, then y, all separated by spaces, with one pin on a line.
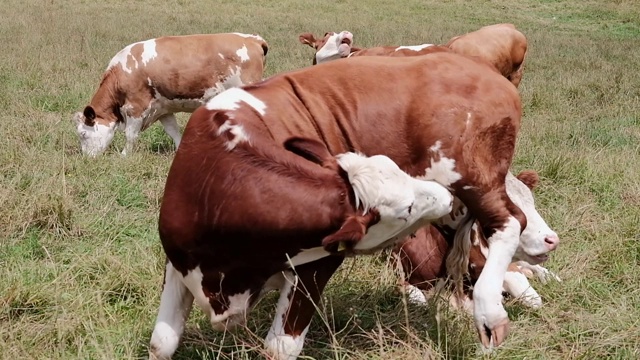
pixel 80 261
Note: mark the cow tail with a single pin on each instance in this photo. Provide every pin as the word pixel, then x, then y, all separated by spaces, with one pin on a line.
pixel 457 262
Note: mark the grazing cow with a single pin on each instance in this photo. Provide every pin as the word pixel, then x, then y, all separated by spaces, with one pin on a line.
pixel 250 216
pixel 500 44
pixel 423 254
pixel 441 117
pixel 335 46
pixel 153 79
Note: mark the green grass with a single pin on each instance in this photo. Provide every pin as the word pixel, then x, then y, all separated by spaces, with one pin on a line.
pixel 80 261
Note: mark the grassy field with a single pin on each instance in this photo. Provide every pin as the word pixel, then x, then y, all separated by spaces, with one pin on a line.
pixel 80 260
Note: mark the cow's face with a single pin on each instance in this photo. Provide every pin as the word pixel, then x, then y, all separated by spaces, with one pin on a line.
pixel 331 47
pixel 402 203
pixel 537 239
pixel 94 136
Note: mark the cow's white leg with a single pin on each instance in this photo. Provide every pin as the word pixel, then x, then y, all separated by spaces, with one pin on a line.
pixel 490 316
pixel 170 125
pixel 131 131
pixel 279 345
pixel 175 306
pixel 517 285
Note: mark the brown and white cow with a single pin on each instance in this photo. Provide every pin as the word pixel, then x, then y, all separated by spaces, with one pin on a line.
pixel 441 117
pixel 501 45
pixel 153 79
pixel 250 216
pixel 335 46
pixel 422 256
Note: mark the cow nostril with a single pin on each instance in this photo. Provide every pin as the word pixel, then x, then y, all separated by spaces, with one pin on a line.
pixel 552 241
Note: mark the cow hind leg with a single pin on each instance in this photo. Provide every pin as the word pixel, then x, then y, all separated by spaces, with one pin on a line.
pixel 175 306
pixel 170 125
pixel 299 295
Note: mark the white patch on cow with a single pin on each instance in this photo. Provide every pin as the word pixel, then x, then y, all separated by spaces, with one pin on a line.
pixel 175 306
pixel 149 51
pixel 233 79
pixel 402 201
pixel 95 139
pixel 221 56
pixel 122 57
pixel 239 135
pixel 414 47
pixel 468 187
pixel 277 343
pixel 254 36
pixel 237 304
pixel 415 295
pixel 468 122
pixel 442 170
pixel 243 53
pixel 307 256
pixel 334 48
pixel 487 292
pixel 517 285
pixel 230 100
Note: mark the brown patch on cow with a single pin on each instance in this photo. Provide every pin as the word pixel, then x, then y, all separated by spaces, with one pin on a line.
pixel 351 232
pixel 529 178
pixel 134 58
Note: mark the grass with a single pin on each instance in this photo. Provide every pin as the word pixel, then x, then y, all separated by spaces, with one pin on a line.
pixel 80 261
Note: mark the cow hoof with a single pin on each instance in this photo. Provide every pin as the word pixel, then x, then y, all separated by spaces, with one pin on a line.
pixel 492 338
pixel 283 347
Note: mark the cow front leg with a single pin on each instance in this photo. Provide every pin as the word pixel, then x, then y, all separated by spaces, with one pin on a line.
pixel 299 296
pixel 175 306
pixel 170 125
pixel 517 285
pixel 491 319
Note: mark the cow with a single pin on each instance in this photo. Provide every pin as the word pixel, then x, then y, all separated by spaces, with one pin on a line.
pixel 441 117
pixel 335 46
pixel 501 45
pixel 422 256
pixel 251 215
pixel 152 80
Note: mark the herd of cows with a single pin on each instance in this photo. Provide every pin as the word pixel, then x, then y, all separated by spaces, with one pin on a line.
pixel 275 181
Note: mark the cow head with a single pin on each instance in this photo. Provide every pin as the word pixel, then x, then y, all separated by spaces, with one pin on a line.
pixel 537 239
pixel 331 47
pixel 388 202
pixel 94 135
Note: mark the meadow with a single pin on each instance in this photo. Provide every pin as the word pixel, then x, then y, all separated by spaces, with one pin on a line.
pixel 80 259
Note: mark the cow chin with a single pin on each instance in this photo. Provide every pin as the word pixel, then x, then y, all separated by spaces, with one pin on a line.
pixel 94 140
pixel 532 259
pixel 344 50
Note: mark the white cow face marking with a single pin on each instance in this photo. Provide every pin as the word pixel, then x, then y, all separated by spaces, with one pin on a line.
pixel 537 239
pixel 414 47
pixel 331 47
pixel 95 138
pixel 230 100
pixel 404 203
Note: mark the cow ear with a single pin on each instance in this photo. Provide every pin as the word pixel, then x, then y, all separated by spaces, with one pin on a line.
pixel 350 233
pixel 311 150
pixel 529 178
pixel 89 116
pixel 307 38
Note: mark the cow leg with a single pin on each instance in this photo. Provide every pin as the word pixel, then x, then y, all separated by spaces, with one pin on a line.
pixel 299 295
pixel 170 125
pixel 490 316
pixel 517 285
pixel 175 306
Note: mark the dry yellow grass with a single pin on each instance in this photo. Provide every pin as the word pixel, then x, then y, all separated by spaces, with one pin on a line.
pixel 80 260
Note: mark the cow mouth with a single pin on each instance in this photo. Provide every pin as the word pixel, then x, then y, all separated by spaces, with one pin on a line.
pixel 538 259
pixel 346 40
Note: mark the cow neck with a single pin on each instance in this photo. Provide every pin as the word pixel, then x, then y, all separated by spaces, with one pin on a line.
pixel 106 101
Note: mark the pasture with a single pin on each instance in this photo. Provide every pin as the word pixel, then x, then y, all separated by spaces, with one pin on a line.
pixel 80 260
